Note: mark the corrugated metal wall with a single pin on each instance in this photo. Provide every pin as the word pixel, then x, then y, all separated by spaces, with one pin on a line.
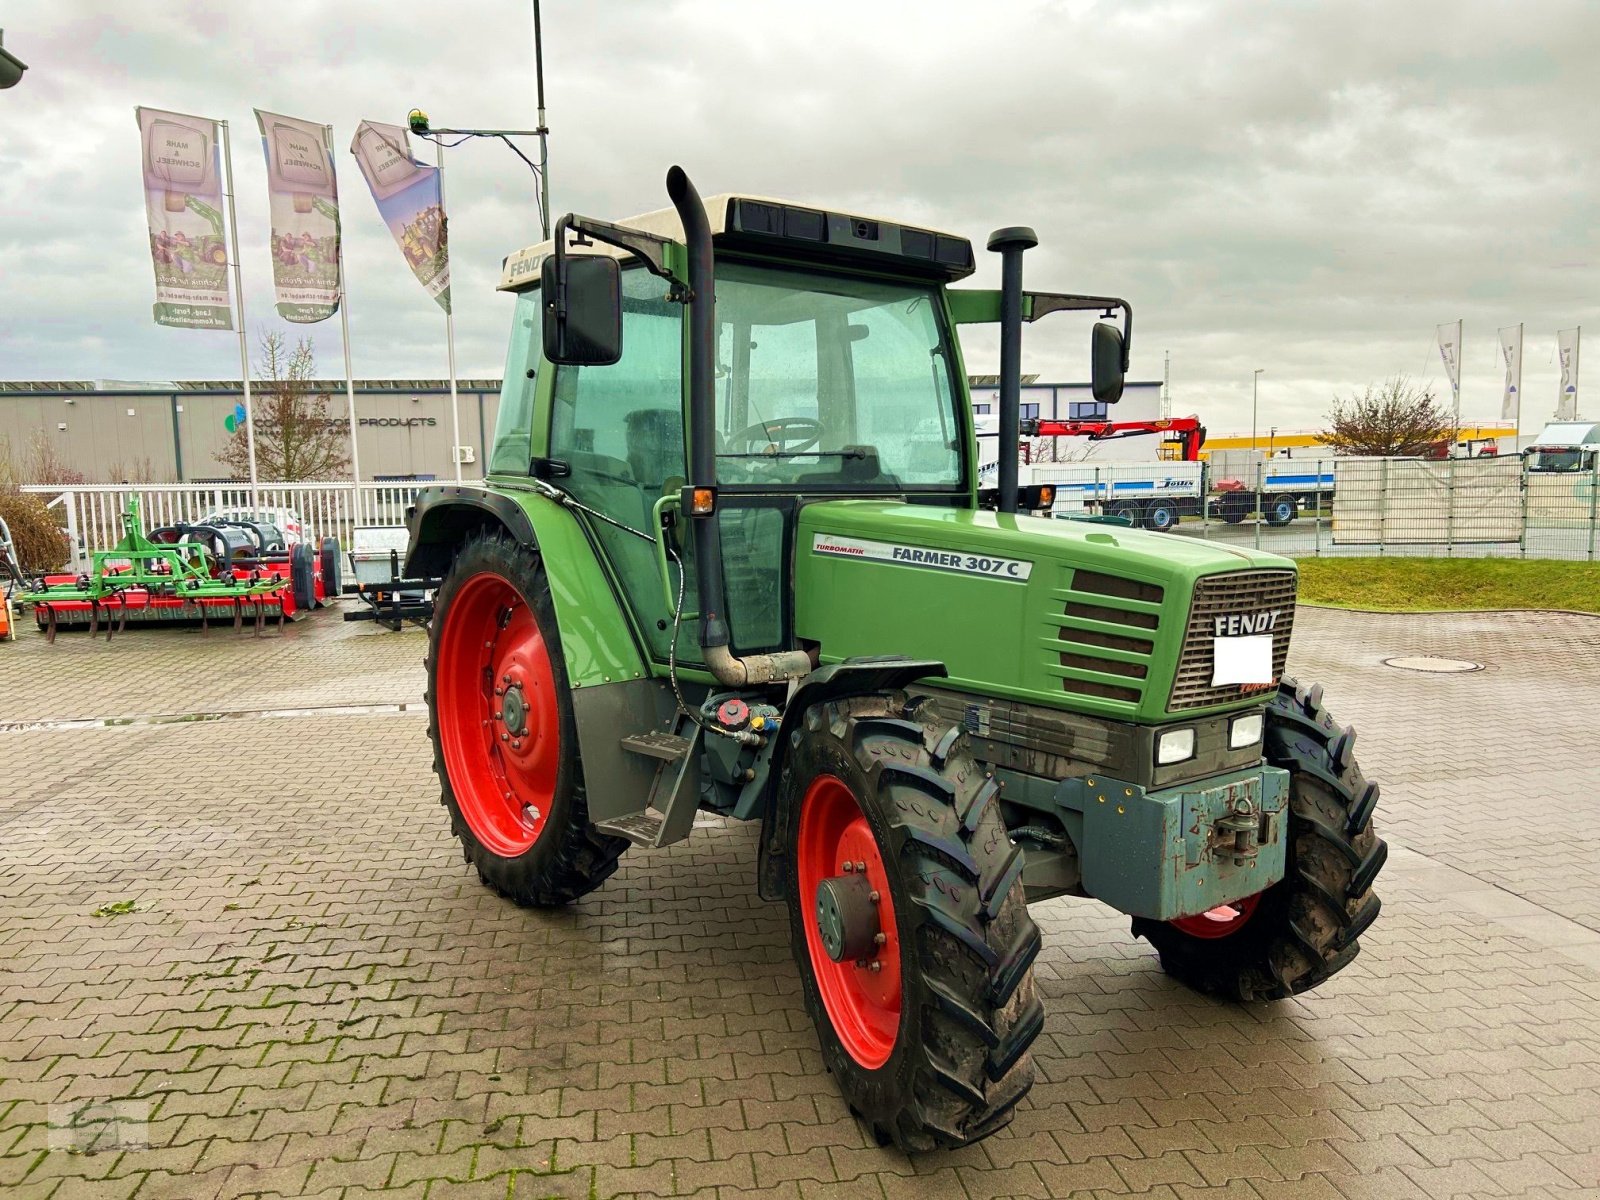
pixel 174 437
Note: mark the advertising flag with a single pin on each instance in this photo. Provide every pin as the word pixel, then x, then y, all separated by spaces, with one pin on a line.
pixel 1567 352
pixel 408 196
pixel 1511 350
pixel 1450 351
pixel 304 199
pixel 183 206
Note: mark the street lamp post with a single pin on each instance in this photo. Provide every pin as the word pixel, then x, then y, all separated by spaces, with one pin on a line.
pixel 11 67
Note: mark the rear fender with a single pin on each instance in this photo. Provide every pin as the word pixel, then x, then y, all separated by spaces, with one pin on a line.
pixel 596 640
pixel 853 677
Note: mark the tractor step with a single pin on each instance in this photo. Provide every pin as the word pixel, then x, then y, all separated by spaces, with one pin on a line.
pixel 642 829
pixel 667 746
pixel 674 794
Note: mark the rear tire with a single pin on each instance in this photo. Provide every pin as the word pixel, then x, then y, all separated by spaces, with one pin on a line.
pixel 302 578
pixel 332 583
pixel 1304 929
pixel 1281 511
pixel 516 803
pixel 1235 507
pixel 1160 516
pixel 933 1049
pixel 1129 511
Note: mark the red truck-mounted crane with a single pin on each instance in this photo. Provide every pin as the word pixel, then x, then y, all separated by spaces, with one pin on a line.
pixel 1185 435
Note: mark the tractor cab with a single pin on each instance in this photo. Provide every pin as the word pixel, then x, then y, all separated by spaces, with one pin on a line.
pixel 835 372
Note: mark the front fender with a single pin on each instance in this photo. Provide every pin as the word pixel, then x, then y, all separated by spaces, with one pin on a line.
pixel 596 639
pixel 853 677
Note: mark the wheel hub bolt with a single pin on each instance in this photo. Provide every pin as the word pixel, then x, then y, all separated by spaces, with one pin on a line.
pixel 514 711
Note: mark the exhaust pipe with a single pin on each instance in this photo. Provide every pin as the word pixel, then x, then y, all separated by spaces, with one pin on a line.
pixel 728 669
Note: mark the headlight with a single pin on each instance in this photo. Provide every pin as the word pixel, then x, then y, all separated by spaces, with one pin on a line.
pixel 1244 731
pixel 1174 746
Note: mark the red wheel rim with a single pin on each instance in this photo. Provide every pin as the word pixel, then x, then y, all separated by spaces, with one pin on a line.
pixel 862 1004
pixel 1221 921
pixel 499 726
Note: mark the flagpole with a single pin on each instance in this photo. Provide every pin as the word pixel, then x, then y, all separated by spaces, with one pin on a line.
pixel 449 323
pixel 344 332
pixel 238 290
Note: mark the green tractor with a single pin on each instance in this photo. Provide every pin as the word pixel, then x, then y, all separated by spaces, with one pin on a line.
pixel 733 554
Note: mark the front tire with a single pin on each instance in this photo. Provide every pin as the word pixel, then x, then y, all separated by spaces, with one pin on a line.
pixel 1305 928
pixel 926 1013
pixel 504 737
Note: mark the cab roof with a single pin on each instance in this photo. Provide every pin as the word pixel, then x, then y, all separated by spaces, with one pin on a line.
pixel 760 224
pixel 1568 433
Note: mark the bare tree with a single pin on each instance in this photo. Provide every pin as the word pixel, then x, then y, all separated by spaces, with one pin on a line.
pixel 136 470
pixel 43 464
pixel 296 439
pixel 1057 449
pixel 1395 418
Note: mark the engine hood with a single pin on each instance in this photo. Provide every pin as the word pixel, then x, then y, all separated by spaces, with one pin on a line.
pixel 1074 614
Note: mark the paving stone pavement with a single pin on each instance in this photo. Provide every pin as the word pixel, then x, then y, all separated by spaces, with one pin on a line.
pixel 311 996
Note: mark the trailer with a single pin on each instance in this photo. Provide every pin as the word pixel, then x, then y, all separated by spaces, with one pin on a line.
pixel 1278 488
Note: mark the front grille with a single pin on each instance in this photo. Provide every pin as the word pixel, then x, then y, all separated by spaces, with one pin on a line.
pixel 1105 632
pixel 1229 594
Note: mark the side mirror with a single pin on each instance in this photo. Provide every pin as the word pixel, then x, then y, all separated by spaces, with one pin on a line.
pixel 1105 359
pixel 582 297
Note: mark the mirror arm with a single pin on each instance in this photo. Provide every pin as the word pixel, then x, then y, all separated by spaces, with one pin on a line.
pixel 1045 303
pixel 646 247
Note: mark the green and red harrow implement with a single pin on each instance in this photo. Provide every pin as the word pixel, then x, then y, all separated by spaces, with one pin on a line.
pixel 186 573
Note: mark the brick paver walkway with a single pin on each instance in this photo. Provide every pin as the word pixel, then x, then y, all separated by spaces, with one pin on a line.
pixel 312 997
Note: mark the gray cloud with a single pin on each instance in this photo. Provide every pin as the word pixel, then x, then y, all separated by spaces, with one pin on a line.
pixel 1303 187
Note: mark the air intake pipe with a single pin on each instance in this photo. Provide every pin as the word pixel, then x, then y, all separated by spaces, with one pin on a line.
pixel 1010 243
pixel 714 642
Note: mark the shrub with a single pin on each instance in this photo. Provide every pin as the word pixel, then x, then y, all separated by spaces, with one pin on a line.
pixel 41 544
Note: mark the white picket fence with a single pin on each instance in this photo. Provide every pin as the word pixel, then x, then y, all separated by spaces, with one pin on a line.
pixel 92 513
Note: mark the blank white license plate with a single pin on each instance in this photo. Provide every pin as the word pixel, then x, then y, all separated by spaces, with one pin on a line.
pixel 1241 659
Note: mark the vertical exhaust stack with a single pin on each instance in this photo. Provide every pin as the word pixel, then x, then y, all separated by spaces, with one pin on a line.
pixel 1010 243
pixel 714 639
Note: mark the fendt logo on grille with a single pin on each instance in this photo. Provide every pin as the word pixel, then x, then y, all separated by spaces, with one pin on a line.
pixel 1241 624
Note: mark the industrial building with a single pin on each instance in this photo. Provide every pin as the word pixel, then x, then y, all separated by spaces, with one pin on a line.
pixel 114 431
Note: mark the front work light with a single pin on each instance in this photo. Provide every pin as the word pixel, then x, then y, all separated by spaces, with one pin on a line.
pixel 1244 731
pixel 1174 746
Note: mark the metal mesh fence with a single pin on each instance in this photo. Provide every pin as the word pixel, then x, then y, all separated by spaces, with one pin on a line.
pixel 1464 507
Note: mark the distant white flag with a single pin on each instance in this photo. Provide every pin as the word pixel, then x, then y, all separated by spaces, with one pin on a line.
pixel 1567 351
pixel 1450 351
pixel 1511 350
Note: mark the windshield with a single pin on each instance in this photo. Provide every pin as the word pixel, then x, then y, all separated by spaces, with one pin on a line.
pixel 832 382
pixel 1557 459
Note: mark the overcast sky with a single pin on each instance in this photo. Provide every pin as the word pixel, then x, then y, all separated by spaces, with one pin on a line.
pixel 1303 187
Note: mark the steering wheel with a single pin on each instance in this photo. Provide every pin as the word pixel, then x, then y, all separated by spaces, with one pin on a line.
pixel 790 435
